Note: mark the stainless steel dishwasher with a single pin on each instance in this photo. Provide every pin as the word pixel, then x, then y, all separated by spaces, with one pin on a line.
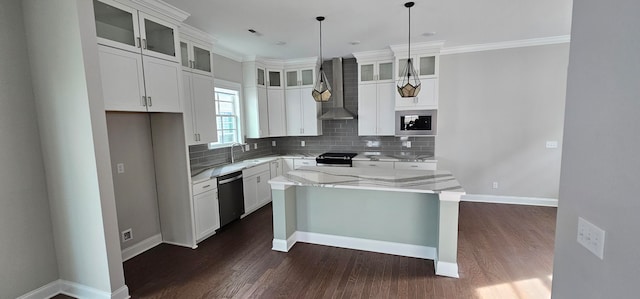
pixel 230 197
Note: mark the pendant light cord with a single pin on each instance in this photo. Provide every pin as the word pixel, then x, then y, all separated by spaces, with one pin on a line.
pixel 409 46
pixel 320 48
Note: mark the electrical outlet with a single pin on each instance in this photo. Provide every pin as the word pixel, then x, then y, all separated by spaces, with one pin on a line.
pixel 591 237
pixel 255 146
pixel 408 144
pixel 302 143
pixel 127 235
pixel 273 143
pixel 247 147
pixel 120 167
pixel 494 185
pixel 552 144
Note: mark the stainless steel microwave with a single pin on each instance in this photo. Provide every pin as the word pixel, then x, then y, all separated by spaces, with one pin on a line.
pixel 416 122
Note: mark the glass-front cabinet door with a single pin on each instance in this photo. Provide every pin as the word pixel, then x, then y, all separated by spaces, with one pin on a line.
pixel 159 38
pixel 117 25
pixel 201 58
pixel 367 73
pixel 427 66
pixel 385 71
pixel 260 77
pixel 275 78
pixel 307 77
pixel 292 79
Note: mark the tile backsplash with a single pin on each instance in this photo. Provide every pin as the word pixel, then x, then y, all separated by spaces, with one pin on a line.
pixel 338 135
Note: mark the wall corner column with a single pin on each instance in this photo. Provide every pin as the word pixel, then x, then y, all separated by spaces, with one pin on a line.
pixel 447 261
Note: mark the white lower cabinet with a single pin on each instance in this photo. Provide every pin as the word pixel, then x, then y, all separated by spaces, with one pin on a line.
pixel 206 209
pixel 427 165
pixel 287 165
pixel 297 163
pixel 257 191
pixel 275 167
pixel 424 165
pixel 373 164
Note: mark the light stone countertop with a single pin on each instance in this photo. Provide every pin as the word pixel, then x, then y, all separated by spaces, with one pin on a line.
pixel 419 181
pixel 376 156
pixel 204 173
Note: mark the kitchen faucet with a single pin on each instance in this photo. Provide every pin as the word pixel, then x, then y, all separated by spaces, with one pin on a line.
pixel 232 145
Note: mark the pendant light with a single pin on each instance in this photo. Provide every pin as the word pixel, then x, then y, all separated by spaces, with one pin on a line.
pixel 409 83
pixel 321 90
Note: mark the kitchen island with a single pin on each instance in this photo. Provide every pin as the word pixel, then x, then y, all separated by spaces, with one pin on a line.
pixel 402 212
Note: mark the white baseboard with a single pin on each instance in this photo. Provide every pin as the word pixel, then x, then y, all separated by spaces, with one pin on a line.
pixel 515 200
pixel 180 244
pixel 447 269
pixel 417 251
pixel 285 245
pixel 47 291
pixel 74 290
pixel 141 247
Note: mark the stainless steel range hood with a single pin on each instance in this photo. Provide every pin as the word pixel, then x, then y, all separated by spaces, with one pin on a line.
pixel 337 111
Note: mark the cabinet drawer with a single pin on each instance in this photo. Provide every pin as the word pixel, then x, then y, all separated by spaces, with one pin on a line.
pixel 373 164
pixel 247 172
pixel 205 186
pixel 297 163
pixel 416 165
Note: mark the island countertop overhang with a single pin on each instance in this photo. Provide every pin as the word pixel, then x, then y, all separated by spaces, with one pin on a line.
pixel 398 180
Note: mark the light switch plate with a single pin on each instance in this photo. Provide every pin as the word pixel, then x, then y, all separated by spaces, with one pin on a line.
pixel 591 237
pixel 247 147
pixel 255 146
pixel 120 167
pixel 273 143
pixel 302 143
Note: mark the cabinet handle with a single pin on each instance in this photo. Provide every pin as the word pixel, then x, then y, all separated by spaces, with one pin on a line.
pixel 207 186
pixel 144 43
pixel 258 180
pixel 144 101
pixel 414 165
pixel 150 102
pixel 137 42
pixel 199 138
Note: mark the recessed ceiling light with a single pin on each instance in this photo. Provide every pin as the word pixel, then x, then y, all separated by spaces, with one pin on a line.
pixel 428 34
pixel 355 42
pixel 254 32
pixel 281 43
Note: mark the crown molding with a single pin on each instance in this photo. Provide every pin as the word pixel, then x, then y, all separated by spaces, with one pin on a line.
pixel 373 55
pixel 163 8
pixel 418 48
pixel 194 33
pixel 301 62
pixel 507 45
pixel 224 52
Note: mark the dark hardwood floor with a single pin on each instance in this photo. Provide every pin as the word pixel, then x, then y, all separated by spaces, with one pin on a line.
pixel 504 251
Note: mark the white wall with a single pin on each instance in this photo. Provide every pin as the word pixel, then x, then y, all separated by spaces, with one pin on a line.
pixel 27 253
pixel 135 189
pixel 227 69
pixel 496 111
pixel 64 65
pixel 600 162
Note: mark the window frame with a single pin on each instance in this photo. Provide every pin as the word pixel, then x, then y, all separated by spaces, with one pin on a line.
pixel 235 87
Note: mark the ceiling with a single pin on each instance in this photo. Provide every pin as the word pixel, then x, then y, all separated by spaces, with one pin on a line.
pixel 375 24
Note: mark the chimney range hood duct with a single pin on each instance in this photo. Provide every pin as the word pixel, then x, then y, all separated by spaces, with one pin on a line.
pixel 337 111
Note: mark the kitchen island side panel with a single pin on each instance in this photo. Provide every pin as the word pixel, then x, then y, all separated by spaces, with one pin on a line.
pixel 391 216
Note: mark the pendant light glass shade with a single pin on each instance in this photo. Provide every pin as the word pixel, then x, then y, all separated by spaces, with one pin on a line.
pixel 409 83
pixel 322 89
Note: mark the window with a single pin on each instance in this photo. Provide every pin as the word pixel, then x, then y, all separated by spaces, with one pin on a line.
pixel 227 97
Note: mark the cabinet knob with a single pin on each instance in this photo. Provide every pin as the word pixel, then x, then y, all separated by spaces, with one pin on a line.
pixel 137 42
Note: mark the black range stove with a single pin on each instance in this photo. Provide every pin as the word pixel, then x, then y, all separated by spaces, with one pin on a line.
pixel 335 159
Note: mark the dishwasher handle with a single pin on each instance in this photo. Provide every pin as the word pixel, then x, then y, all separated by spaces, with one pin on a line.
pixel 230 180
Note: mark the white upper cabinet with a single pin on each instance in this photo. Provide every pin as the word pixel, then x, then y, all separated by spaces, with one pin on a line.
pixel 138 55
pixel 375 72
pixel 302 112
pixel 297 78
pixel 128 86
pixel 264 102
pixel 376 98
pixel 426 60
pixel 196 57
pixel 127 28
pixel 200 109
